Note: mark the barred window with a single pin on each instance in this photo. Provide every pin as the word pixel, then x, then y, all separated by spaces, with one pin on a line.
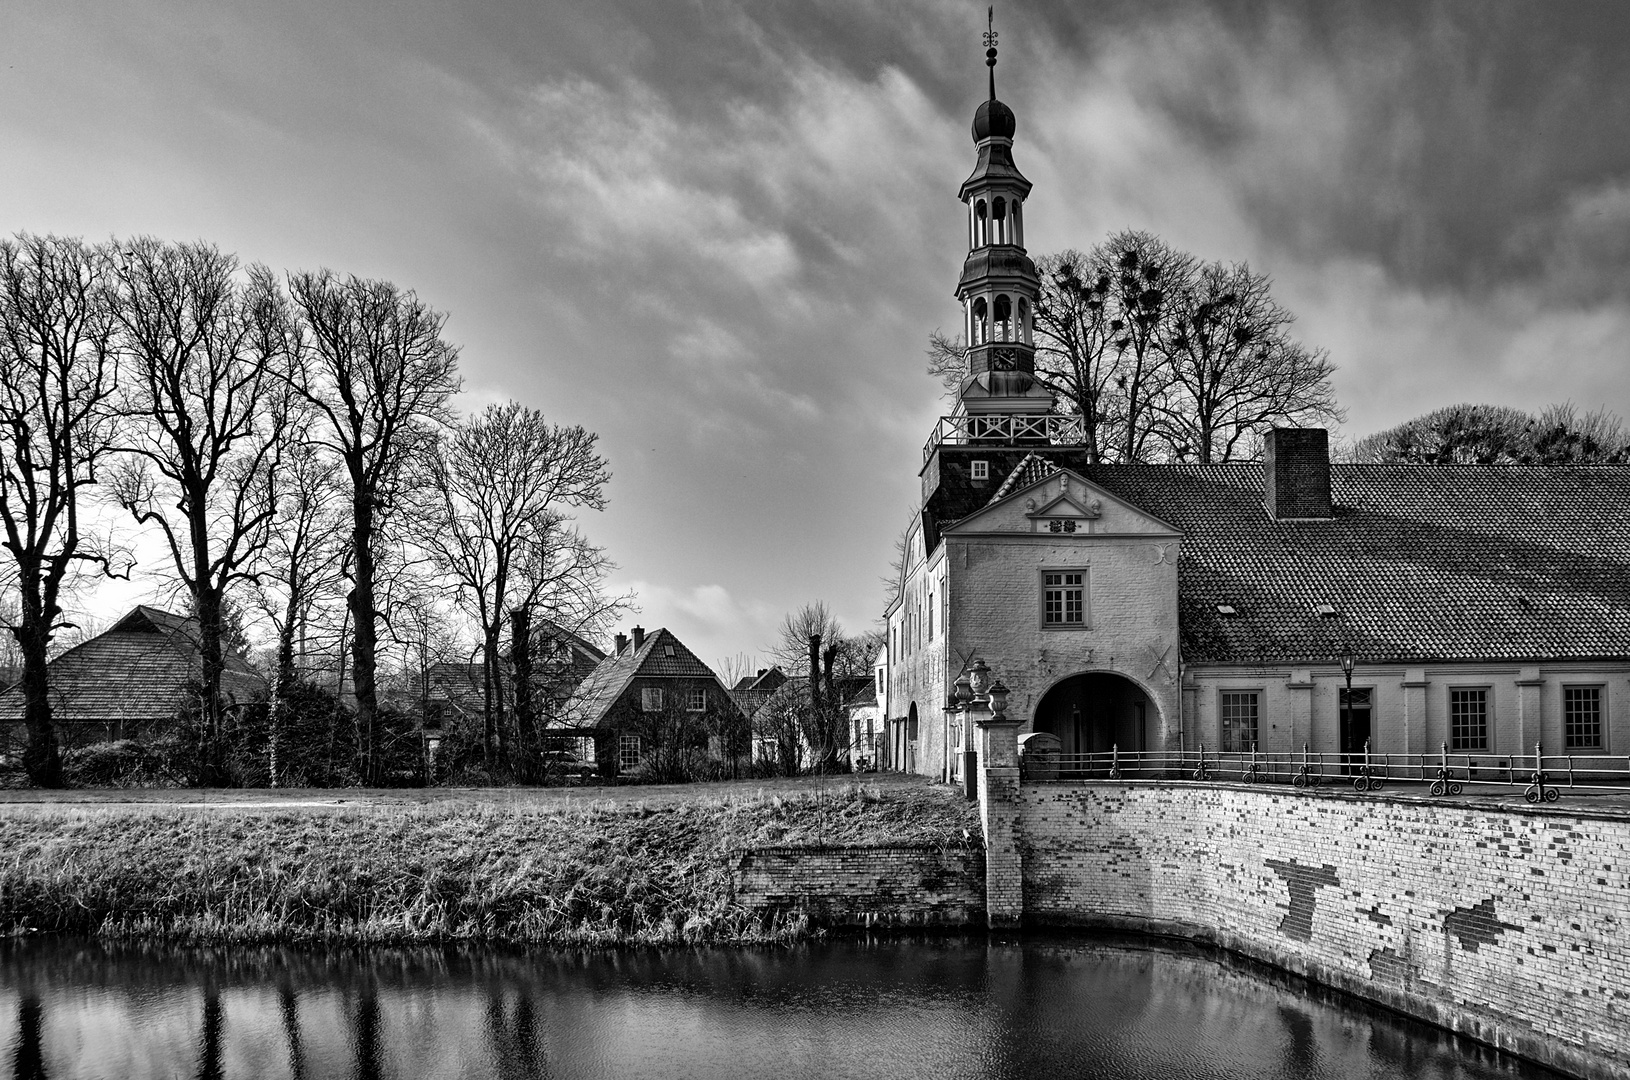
pixel 696 699
pixel 1064 599
pixel 1469 719
pixel 1061 525
pixel 1582 717
pixel 651 699
pixel 628 752
pixel 1238 709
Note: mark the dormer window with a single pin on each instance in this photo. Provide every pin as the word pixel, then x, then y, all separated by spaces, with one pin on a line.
pixel 980 470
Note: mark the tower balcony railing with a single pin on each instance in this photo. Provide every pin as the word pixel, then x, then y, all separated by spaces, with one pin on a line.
pixel 1005 429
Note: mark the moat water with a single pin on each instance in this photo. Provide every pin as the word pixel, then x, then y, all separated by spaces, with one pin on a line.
pixel 899 1010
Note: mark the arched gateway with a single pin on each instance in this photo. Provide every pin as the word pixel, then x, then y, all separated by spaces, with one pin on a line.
pixel 1094 710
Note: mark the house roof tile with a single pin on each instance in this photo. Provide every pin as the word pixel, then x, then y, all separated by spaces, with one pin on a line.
pixel 662 655
pixel 1420 562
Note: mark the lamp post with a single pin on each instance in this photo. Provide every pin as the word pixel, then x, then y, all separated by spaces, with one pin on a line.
pixel 1347 661
pixel 961 699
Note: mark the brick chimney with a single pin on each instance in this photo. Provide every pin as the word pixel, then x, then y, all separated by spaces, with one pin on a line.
pixel 622 643
pixel 639 636
pixel 1296 474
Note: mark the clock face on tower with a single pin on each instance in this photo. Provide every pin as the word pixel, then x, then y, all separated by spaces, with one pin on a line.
pixel 1003 359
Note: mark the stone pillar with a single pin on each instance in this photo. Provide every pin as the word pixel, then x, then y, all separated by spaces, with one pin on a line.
pixel 1530 724
pixel 1414 687
pixel 999 814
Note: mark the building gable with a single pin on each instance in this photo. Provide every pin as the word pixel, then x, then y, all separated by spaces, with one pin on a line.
pixel 1061 503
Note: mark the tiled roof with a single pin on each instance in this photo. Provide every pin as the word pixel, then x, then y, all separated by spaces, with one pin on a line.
pixel 1031 470
pixel 798 687
pixel 661 656
pixel 1420 562
pixel 135 672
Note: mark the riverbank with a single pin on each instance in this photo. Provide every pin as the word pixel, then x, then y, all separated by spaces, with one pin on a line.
pixel 567 870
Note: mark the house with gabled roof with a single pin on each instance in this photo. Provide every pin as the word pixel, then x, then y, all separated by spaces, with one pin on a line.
pixel 1478 608
pixel 561 660
pixel 653 697
pixel 128 681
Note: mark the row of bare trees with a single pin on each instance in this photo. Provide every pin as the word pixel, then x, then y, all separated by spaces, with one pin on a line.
pixel 1162 356
pixel 805 724
pixel 293 443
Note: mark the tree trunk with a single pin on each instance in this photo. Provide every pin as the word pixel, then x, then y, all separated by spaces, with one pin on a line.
pixel 41 758
pixel 207 603
pixel 284 677
pixel 364 640
pixel 520 659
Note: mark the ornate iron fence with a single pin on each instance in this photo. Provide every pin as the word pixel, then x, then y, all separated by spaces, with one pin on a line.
pixel 1541 777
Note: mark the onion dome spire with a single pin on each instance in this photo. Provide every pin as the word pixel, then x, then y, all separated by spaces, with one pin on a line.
pixel 999 286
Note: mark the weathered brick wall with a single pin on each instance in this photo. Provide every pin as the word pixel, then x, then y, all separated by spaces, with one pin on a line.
pixel 1508 925
pixel 857 886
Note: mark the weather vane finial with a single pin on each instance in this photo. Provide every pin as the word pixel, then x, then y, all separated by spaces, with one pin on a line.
pixel 990 48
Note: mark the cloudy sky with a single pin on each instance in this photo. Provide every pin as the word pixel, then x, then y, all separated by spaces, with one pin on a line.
pixel 720 233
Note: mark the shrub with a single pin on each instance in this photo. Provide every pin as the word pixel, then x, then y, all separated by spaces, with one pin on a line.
pixel 123 763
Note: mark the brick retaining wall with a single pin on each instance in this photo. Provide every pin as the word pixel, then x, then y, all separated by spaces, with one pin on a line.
pixel 1507 925
pixel 864 886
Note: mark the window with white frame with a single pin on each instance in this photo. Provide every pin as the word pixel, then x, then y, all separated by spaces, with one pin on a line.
pixel 628 752
pixel 696 699
pixel 1469 718
pixel 1064 598
pixel 981 470
pixel 1238 711
pixel 1582 717
pixel 651 699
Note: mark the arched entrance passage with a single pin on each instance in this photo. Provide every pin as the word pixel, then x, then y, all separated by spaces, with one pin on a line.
pixel 1095 710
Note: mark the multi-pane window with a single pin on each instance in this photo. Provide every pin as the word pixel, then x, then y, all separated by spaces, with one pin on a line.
pixel 1063 598
pixel 651 699
pixel 628 752
pixel 696 699
pixel 1238 710
pixel 981 470
pixel 1469 719
pixel 1582 717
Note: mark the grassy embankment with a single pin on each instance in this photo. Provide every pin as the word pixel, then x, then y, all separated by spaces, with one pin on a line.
pixel 543 872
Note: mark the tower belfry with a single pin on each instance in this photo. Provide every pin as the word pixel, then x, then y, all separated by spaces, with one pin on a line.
pixel 999 286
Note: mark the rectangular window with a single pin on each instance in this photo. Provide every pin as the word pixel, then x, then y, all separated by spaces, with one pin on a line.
pixel 1582 717
pixel 1238 710
pixel 930 616
pixel 651 699
pixel 628 752
pixel 1469 719
pixel 981 470
pixel 696 699
pixel 1064 598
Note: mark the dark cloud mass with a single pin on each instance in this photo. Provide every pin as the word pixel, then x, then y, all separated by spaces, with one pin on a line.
pixel 718 233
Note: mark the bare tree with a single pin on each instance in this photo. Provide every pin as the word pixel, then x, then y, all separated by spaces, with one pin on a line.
pixel 207 404
pixel 505 482
pixel 1234 369
pixel 56 427
pixel 299 567
pixel 1500 435
pixel 379 375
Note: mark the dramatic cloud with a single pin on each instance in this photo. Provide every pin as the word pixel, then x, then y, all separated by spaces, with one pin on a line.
pixel 718 233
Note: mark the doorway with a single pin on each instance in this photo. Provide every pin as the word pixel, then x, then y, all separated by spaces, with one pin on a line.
pixel 1354 722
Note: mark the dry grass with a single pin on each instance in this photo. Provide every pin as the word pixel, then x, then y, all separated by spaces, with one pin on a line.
pixel 558 871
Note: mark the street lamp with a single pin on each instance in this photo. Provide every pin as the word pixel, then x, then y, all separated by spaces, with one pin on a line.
pixel 1347 661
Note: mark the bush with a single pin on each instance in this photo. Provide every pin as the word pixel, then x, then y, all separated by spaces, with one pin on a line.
pixel 123 763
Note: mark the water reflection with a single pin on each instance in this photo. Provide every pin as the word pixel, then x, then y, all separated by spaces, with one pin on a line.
pixel 902 1010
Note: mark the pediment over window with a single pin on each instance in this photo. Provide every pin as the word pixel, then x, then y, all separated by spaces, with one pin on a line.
pixel 1065 514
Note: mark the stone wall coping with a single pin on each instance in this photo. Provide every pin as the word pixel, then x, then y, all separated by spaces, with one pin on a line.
pixel 1550 810
pixel 838 849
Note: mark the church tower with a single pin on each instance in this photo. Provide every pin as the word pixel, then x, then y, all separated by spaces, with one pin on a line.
pixel 999 286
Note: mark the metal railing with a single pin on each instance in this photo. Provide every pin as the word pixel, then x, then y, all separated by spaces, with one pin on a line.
pixel 1542 777
pixel 1014 429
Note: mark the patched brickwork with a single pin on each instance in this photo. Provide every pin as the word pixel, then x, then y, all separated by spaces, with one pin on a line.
pixel 1507 925
pixel 860 886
